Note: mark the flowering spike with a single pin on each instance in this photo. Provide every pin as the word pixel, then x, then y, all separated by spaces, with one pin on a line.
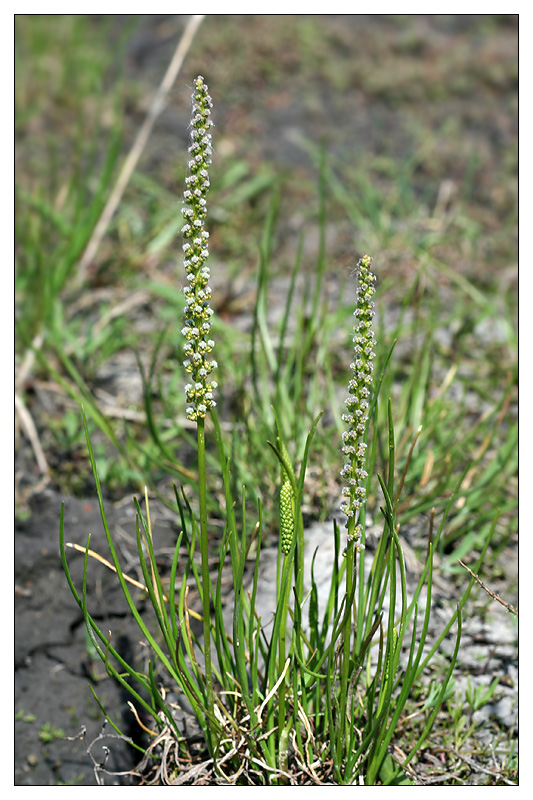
pixel 353 444
pixel 286 513
pixel 198 312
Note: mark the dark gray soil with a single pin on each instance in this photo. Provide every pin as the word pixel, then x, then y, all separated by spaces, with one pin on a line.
pixel 52 662
pixel 263 115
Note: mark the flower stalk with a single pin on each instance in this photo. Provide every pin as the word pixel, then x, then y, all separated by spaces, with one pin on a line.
pixel 198 343
pixel 354 445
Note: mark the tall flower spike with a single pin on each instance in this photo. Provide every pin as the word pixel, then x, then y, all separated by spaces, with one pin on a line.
pixel 354 445
pixel 198 312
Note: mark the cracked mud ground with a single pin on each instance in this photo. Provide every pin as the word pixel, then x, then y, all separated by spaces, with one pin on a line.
pixel 52 661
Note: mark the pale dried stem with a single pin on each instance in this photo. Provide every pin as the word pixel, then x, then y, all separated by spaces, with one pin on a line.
pixel 30 431
pixel 506 605
pixel 139 144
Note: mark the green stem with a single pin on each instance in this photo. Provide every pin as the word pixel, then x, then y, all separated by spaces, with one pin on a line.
pixel 206 597
pixel 276 711
pixel 346 645
pixel 282 655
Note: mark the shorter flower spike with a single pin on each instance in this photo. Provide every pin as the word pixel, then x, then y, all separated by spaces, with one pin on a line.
pixel 353 445
pixel 286 497
pixel 286 513
pixel 198 312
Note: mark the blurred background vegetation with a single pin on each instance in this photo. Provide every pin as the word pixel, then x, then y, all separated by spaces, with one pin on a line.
pixel 335 136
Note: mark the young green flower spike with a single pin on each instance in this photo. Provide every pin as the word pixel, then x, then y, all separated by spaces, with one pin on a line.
pixel 286 500
pixel 286 513
pixel 198 312
pixel 354 447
